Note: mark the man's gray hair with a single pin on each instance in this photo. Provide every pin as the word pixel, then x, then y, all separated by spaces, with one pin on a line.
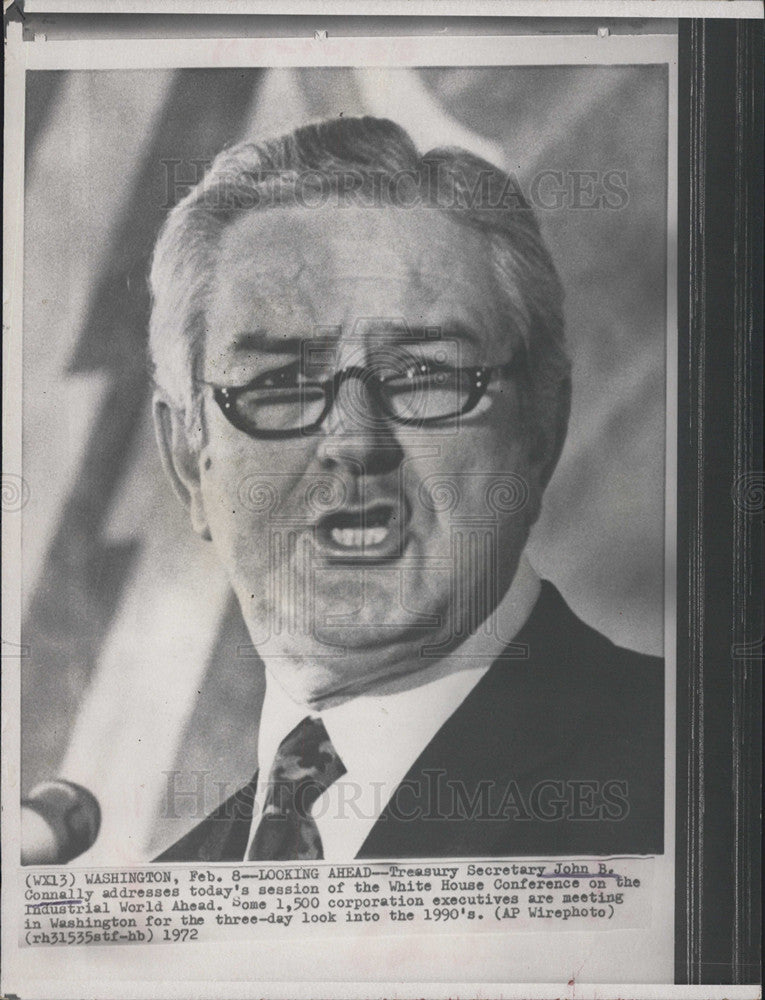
pixel 355 161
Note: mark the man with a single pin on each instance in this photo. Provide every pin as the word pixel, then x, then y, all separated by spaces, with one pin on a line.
pixel 362 393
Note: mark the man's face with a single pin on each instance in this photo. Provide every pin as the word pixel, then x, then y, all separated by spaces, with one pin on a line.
pixel 356 548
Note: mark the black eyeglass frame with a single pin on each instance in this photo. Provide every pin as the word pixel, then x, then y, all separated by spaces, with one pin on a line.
pixel 479 375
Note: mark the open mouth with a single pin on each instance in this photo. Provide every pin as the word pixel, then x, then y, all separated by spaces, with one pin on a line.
pixel 374 532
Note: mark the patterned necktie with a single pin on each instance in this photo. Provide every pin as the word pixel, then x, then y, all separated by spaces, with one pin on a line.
pixel 306 764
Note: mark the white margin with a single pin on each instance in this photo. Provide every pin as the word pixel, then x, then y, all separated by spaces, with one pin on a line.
pixel 402 51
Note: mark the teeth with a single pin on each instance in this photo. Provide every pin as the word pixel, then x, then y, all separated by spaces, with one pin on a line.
pixel 358 538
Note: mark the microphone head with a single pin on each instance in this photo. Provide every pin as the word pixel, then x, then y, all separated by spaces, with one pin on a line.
pixel 59 821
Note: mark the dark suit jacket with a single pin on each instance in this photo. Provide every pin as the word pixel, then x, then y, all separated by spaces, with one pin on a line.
pixel 558 750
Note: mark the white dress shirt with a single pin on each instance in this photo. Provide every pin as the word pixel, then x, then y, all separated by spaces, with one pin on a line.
pixel 379 734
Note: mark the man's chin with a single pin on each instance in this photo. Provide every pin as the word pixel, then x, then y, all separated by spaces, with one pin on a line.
pixel 382 642
pixel 343 661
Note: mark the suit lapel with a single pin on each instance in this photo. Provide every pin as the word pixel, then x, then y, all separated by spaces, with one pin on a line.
pixel 487 751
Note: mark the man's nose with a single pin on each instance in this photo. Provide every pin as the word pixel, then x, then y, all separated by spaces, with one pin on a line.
pixel 358 432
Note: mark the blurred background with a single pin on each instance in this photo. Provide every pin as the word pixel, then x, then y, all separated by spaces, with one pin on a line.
pixel 139 680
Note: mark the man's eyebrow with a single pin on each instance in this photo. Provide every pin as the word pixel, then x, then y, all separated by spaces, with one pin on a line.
pixel 260 341
pixel 403 334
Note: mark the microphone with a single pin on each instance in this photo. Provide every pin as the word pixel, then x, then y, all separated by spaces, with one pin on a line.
pixel 59 821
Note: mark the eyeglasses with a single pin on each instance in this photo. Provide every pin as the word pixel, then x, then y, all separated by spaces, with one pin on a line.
pixel 284 403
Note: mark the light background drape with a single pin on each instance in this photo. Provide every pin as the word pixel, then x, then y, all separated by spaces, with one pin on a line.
pixel 139 679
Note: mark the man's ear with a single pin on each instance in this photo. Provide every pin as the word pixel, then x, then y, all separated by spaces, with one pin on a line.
pixel 180 460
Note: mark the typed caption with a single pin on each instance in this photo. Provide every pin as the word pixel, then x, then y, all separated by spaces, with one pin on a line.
pixel 175 904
